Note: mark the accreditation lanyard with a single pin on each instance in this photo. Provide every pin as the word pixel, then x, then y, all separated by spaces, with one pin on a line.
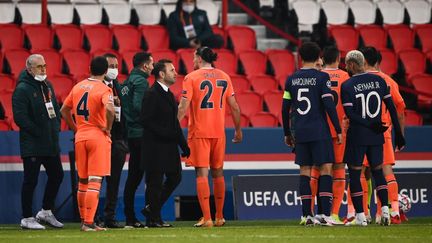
pixel 117 107
pixel 188 29
pixel 48 103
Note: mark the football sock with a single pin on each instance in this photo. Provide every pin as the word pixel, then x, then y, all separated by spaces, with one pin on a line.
pixel 315 173
pixel 82 190
pixel 219 194
pixel 392 187
pixel 350 206
pixel 380 186
pixel 305 195
pixel 365 189
pixel 356 190
pixel 325 194
pixel 203 193
pixel 91 201
pixel 338 189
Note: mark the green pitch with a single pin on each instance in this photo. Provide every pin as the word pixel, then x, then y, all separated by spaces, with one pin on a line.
pixel 416 230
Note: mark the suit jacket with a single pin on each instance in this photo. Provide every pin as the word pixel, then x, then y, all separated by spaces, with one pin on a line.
pixel 162 133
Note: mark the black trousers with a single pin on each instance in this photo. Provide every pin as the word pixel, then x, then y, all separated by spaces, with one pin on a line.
pixel 54 170
pixel 135 175
pixel 118 158
pixel 158 191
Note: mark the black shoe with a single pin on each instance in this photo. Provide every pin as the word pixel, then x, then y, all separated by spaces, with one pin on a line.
pixel 146 211
pixel 112 224
pixel 134 224
pixel 165 224
pixel 153 224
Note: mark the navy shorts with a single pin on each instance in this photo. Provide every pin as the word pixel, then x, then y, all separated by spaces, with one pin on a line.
pixel 314 153
pixel 354 154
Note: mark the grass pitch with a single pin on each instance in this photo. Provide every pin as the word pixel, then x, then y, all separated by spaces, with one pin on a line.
pixel 416 230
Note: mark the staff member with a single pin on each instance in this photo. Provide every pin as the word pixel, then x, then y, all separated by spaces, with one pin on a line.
pixel 161 137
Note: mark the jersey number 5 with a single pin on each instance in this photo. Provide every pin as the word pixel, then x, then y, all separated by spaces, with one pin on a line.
pixel 82 109
pixel 206 103
pixel 301 98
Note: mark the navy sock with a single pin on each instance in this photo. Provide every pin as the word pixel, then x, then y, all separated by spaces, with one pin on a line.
pixel 305 195
pixel 325 195
pixel 356 190
pixel 381 186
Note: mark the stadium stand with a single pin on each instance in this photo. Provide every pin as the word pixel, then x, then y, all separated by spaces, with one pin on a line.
pixel 263 119
pixel 61 13
pixel 241 38
pixel 253 62
pixel 70 37
pixel 240 83
pixel 226 61
pixel 155 36
pixel 262 84
pixel 364 12
pixel 11 37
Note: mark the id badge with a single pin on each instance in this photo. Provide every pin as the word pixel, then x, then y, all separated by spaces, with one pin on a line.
pixel 117 111
pixel 50 109
pixel 190 31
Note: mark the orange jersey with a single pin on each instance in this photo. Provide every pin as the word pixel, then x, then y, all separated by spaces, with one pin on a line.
pixel 207 89
pixel 337 77
pixel 397 100
pixel 87 101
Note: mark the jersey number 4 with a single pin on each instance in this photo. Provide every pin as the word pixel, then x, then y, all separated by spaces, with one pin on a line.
pixel 206 103
pixel 82 109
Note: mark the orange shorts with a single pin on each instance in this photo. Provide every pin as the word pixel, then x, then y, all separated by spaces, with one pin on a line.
pixel 206 152
pixel 339 150
pixel 93 158
pixel 388 153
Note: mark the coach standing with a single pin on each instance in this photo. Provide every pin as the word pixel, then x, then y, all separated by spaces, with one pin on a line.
pixel 37 114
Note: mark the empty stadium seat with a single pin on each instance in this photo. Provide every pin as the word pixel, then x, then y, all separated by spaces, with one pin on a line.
pixel 250 103
pixel 31 13
pixel 412 118
pixel 335 11
pixel 392 11
pixel 419 11
pixel 127 36
pixel 226 61
pixel 78 62
pixel 7 83
pixel 7 12
pixel 186 58
pixel 229 123
pixel 148 14
pixel 389 63
pixel 6 100
pixel 212 10
pixel 156 37
pixel 89 13
pixel 308 13
pixel 263 119
pixel 273 100
pixel 283 63
pixel 219 31
pixel 424 32
pixel 263 83
pixel 40 36
pixel 373 35
pixel 61 13
pixel 166 54
pixel 69 36
pixel 346 37
pixel 242 38
pixel 254 62
pixel 128 59
pixel 4 125
pixel 11 37
pixel 240 83
pixel 53 61
pixel 364 12
pixel 98 36
pixel 62 86
pixel 17 60
pixel 401 36
pixel 118 12
pixel 423 83
pixel 414 61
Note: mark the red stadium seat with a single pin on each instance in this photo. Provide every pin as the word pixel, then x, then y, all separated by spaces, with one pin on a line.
pixel 219 31
pixel 53 61
pixel 401 36
pixel 40 36
pixel 240 83
pixel 128 59
pixel 4 125
pixel 263 83
pixel 244 121
pixel 17 60
pixel 226 61
pixel 389 63
pixel 6 100
pixel 166 54
pixel 70 37
pixel 373 35
pixel 250 103
pixel 413 61
pixel 263 119
pixel 412 118
pixel 254 62
pixel 186 58
pixel 78 62
pixel 242 38
pixel 283 63
pixel 156 37
pixel 11 37
pixel 62 86
pixel 7 83
pixel 424 32
pixel 127 36
pixel 346 37
pixel 99 37
pixel 273 100
pixel 423 83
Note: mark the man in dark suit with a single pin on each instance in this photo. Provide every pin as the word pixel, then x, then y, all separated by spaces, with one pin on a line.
pixel 161 137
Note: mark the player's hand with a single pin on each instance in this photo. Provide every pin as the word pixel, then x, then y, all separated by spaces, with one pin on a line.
pixel 186 152
pixel 339 138
pixel 289 140
pixel 378 127
pixel 399 141
pixel 106 131
pixel 345 123
pixel 238 136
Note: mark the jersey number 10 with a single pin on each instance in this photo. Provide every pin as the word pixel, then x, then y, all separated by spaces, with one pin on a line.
pixel 365 104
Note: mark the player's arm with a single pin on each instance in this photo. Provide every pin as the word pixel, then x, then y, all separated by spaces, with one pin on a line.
pixel 400 105
pixel 399 138
pixel 66 112
pixel 286 106
pixel 108 101
pixel 182 108
pixel 236 116
pixel 140 86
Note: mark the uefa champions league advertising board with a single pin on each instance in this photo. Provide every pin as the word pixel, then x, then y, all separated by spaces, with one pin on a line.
pixel 278 197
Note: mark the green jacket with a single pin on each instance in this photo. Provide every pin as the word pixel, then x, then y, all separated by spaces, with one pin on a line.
pixel 132 94
pixel 39 135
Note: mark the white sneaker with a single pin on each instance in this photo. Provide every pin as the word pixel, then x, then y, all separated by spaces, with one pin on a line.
pixel 317 218
pixel 327 221
pixel 385 216
pixel 360 220
pixel 31 223
pixel 47 217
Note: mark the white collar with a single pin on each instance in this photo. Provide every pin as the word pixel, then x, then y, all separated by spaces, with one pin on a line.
pixel 164 87
pixel 107 82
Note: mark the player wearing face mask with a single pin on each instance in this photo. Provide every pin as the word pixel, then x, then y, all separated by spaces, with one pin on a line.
pixel 189 27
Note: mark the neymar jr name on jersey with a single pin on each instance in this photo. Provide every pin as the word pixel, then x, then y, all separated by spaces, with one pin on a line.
pixel 366 86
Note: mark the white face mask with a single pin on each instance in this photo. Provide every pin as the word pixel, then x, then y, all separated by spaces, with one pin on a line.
pixel 112 73
pixel 40 77
pixel 188 8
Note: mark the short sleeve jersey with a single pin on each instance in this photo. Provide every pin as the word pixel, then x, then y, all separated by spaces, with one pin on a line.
pixel 306 88
pixel 365 93
pixel 337 78
pixel 87 101
pixel 208 90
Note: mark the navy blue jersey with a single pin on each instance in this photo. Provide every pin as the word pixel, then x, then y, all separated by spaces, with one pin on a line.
pixel 307 89
pixel 362 97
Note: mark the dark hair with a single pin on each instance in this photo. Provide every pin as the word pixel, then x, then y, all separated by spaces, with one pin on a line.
pixel 309 51
pixel 330 54
pixel 140 58
pixel 179 5
pixel 98 66
pixel 109 55
pixel 370 54
pixel 160 66
pixel 379 57
pixel 207 54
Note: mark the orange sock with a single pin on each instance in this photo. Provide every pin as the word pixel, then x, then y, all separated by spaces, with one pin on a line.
pixel 203 193
pixel 82 190
pixel 91 201
pixel 393 190
pixel 350 205
pixel 219 194
pixel 338 189
pixel 365 189
pixel 315 174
